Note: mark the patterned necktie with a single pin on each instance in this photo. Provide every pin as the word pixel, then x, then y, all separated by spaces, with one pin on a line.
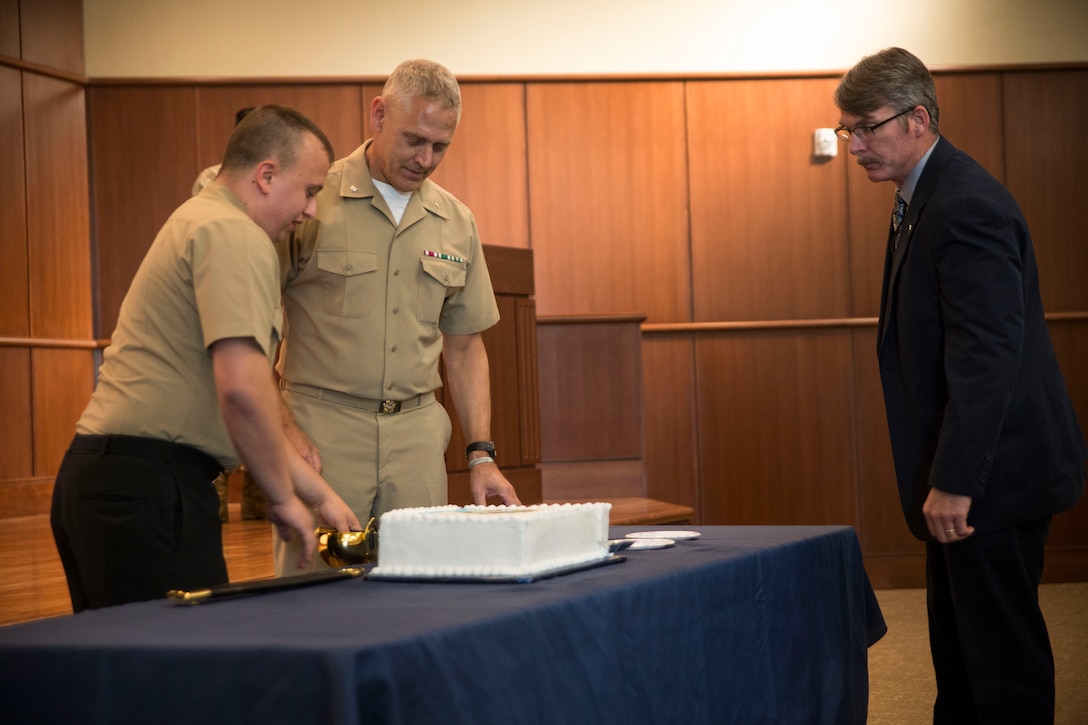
pixel 899 212
pixel 897 217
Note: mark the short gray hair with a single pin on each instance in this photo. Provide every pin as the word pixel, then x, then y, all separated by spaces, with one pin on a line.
pixel 892 77
pixel 423 79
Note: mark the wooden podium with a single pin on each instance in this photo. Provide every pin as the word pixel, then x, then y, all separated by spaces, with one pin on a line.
pixel 515 403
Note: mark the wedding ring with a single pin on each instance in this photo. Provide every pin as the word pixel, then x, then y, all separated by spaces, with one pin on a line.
pixel 950 531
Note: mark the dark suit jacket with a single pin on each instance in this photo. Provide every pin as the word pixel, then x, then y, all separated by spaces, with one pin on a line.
pixel 975 401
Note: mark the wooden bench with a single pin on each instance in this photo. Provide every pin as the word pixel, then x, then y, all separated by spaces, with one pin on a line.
pixel 637 511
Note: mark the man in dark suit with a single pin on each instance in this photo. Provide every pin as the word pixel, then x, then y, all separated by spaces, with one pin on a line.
pixel 985 441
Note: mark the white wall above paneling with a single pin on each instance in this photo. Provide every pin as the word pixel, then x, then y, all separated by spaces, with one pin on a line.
pixel 319 38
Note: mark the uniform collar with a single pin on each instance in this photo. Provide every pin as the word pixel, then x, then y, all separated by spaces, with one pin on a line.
pixel 219 190
pixel 357 183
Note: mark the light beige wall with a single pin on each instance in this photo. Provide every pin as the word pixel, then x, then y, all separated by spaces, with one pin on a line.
pixel 286 38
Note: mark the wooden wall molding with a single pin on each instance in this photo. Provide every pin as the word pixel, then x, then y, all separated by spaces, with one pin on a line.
pixel 743 325
pixel 45 342
pixel 486 78
pixel 44 70
pixel 739 326
pixel 590 319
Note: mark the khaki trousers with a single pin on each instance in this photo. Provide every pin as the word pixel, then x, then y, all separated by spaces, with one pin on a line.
pixel 375 461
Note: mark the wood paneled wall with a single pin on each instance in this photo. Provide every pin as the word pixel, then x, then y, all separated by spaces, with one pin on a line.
pixel 768 226
pixel 591 411
pixel 693 202
pixel 47 345
pixel 148 143
pixel 608 198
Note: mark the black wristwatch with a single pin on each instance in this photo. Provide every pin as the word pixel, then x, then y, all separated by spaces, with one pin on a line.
pixel 488 446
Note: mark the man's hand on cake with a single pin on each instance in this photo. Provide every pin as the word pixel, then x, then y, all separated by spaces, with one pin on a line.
pixel 487 481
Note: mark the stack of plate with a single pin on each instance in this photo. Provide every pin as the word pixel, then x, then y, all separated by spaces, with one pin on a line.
pixel 659 539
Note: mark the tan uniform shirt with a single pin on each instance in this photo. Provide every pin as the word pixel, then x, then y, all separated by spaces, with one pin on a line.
pixel 367 301
pixel 210 274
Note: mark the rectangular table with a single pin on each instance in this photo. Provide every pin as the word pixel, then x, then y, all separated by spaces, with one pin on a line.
pixel 744 624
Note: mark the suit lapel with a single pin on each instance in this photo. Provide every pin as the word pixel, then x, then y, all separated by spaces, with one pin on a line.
pixel 882 322
pixel 895 254
pixel 894 261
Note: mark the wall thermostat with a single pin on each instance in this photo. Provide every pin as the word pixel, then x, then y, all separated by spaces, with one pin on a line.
pixel 825 144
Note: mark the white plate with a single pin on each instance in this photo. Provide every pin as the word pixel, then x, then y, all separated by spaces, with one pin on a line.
pixel 674 535
pixel 651 544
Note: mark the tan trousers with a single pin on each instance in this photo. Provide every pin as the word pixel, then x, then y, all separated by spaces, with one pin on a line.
pixel 376 462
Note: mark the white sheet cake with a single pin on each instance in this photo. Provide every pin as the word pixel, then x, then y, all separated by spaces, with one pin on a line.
pixel 491 541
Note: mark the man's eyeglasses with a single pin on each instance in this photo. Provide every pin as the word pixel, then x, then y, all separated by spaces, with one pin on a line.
pixel 864 133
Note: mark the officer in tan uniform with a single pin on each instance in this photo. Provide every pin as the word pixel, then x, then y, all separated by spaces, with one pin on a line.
pixel 388 278
pixel 186 388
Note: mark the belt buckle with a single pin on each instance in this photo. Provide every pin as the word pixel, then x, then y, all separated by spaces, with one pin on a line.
pixel 389 406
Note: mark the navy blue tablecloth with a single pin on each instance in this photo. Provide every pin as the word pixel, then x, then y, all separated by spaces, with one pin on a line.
pixel 742 625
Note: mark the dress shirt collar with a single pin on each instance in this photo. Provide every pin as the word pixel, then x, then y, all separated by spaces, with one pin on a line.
pixel 907 190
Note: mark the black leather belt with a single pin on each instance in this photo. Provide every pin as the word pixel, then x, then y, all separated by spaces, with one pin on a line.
pixel 149 448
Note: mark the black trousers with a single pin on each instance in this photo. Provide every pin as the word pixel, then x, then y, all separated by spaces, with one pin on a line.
pixel 134 518
pixel 991 651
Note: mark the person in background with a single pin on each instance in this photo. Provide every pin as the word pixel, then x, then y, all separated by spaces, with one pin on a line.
pixel 390 277
pixel 208 175
pixel 984 438
pixel 186 389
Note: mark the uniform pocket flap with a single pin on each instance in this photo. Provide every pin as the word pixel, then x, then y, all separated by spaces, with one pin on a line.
pixel 445 272
pixel 346 262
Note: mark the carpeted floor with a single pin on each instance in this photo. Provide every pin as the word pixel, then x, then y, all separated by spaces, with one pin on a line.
pixel 901 683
